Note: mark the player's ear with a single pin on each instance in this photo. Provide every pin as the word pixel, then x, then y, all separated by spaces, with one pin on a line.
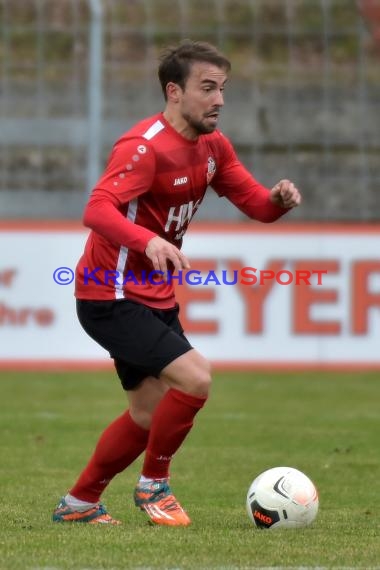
pixel 173 92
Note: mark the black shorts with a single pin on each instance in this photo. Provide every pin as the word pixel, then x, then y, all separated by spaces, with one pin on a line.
pixel 141 340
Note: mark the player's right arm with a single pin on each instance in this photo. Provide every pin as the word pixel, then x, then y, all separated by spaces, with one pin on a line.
pixel 129 173
pixel 160 251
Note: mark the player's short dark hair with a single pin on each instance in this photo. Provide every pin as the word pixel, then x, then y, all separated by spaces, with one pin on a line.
pixel 176 61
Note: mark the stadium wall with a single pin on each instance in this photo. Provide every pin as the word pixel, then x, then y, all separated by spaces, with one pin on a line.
pixel 303 101
pixel 319 309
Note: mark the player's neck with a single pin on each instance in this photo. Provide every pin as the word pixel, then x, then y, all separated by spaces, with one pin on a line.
pixel 180 125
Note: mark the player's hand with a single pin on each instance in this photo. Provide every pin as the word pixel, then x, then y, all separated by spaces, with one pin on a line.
pixel 285 194
pixel 160 251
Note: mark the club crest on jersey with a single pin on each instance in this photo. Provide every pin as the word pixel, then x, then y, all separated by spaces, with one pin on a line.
pixel 211 169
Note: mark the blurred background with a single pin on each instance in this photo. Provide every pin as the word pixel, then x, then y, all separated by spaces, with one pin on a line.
pixel 303 101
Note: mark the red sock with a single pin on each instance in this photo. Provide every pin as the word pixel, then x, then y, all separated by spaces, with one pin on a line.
pixel 172 421
pixel 119 445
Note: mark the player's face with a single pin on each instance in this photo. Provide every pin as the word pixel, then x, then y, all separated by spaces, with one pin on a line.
pixel 201 100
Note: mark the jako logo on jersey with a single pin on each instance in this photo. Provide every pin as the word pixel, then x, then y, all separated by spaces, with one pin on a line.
pixel 179 181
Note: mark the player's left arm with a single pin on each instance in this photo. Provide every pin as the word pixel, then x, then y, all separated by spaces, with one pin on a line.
pixel 237 184
pixel 285 194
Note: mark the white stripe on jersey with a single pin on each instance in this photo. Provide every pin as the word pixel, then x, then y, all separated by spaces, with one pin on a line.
pixel 123 252
pixel 153 130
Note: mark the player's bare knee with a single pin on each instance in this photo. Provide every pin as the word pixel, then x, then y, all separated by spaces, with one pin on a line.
pixel 141 417
pixel 203 385
pixel 191 373
pixel 199 382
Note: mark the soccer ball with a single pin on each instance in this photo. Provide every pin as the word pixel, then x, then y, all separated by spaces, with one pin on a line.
pixel 282 497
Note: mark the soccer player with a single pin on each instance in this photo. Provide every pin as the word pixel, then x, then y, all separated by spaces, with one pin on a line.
pixel 155 180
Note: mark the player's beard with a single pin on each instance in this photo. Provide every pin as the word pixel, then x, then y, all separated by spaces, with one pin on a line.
pixel 199 126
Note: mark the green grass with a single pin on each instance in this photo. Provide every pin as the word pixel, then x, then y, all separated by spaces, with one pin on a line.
pixel 324 424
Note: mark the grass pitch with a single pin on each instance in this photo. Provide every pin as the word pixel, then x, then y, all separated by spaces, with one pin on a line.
pixel 327 425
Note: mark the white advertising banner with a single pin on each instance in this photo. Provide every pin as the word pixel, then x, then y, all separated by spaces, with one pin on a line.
pixel 281 295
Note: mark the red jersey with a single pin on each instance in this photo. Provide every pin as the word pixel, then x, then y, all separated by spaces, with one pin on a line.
pixel 153 184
